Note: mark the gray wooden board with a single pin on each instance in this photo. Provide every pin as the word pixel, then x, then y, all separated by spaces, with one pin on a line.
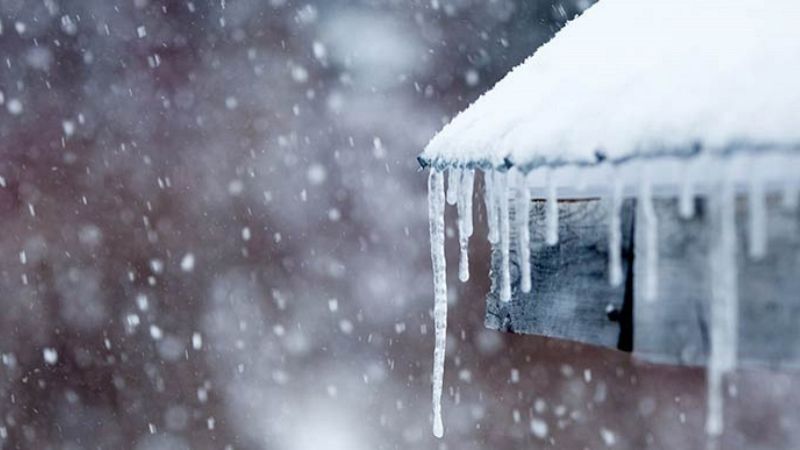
pixel 570 290
pixel 571 294
pixel 674 328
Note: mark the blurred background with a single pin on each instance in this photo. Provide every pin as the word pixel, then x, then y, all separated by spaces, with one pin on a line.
pixel 215 237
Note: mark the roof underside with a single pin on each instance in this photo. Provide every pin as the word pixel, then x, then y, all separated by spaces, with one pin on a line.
pixel 641 78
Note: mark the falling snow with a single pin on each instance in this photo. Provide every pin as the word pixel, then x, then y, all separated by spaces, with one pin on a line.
pixel 214 220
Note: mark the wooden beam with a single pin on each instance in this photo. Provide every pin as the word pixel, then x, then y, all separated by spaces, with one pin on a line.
pixel 572 299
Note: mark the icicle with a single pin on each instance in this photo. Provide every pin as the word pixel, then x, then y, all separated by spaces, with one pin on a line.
pixel 686 200
pixel 453 182
pixel 651 239
pixel 467 185
pixel 436 203
pixel 490 198
pixel 714 392
pixel 551 211
pixel 464 221
pixel 505 238
pixel 522 213
pixel 757 215
pixel 728 288
pixel 724 314
pixel 615 235
pixel 790 196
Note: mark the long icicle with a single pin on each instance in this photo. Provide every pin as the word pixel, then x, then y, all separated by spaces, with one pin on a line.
pixel 757 215
pixel 522 214
pixel 714 406
pixel 490 198
pixel 724 306
pixel 730 276
pixel 615 235
pixel 464 221
pixel 436 202
pixel 505 232
pixel 551 214
pixel 651 238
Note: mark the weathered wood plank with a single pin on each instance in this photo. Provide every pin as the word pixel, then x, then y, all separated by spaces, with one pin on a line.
pixel 571 295
pixel 674 328
pixel 570 291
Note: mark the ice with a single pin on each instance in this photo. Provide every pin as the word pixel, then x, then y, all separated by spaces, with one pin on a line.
pixel 757 218
pixel 453 183
pixel 686 199
pixel 490 198
pixel 615 235
pixel 725 282
pixel 505 238
pixel 724 305
pixel 467 186
pixel 436 203
pixel 464 221
pixel 648 214
pixel 551 212
pixel 522 214
pixel 714 406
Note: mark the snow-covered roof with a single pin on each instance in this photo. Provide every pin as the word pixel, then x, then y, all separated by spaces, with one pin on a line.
pixel 631 78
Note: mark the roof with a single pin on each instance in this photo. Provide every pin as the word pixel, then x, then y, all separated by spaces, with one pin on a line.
pixel 639 78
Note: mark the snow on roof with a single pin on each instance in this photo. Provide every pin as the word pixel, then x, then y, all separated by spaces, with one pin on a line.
pixel 632 78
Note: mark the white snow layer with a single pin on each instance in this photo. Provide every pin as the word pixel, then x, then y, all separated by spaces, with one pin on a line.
pixel 641 78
